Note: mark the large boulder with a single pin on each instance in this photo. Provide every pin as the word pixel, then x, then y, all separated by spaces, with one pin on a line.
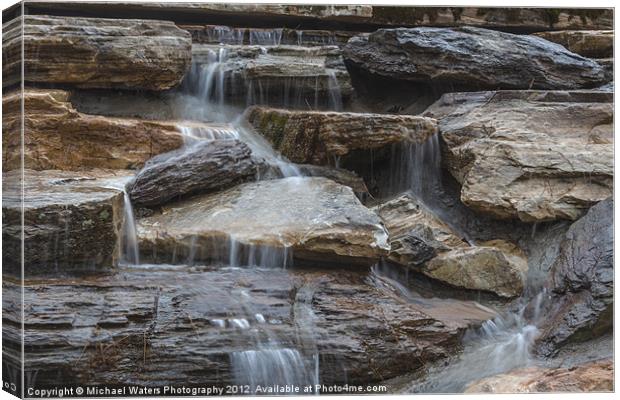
pixel 96 52
pixel 593 44
pixel 471 58
pixel 267 223
pixel 321 137
pixel 554 164
pixel 580 285
pixel 595 376
pixel 204 167
pixel 71 221
pixel 57 136
pixel 423 242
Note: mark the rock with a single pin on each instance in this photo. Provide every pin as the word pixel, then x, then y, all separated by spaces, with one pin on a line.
pixel 470 58
pixel 597 376
pixel 98 52
pixel 120 328
pixel 71 221
pixel 59 137
pixel 206 167
pixel 290 76
pixel 555 164
pixel 338 175
pixel 593 44
pixel 314 219
pixel 319 137
pixel 580 283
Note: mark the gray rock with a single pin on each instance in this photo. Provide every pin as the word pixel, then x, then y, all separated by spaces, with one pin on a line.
pixel 593 44
pixel 471 58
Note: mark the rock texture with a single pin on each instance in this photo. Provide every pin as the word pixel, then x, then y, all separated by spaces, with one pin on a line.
pixel 121 328
pixel 554 164
pixel 59 137
pixel 580 286
pixel 71 221
pixel 593 44
pixel 319 137
pixel 97 52
pixel 314 218
pixel 471 58
pixel 597 376
pixel 205 167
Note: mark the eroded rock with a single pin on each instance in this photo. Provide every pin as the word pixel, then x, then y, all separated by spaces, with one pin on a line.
pixel 314 218
pixel 554 164
pixel 593 44
pixel 97 52
pixel 59 137
pixel 471 58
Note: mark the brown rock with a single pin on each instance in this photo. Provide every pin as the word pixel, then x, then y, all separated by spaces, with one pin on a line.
pixel 593 44
pixel 59 137
pixel 96 52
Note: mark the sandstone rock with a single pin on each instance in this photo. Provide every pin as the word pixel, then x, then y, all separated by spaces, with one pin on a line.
pixel 338 175
pixel 97 52
pixel 59 137
pixel 593 44
pixel 319 137
pixel 71 221
pixel 597 376
pixel 554 164
pixel 470 58
pixel 315 219
pixel 205 167
pixel 121 328
pixel 580 283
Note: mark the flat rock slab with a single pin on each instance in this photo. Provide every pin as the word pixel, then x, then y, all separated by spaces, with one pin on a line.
pixel 97 52
pixel 203 167
pixel 72 221
pixel 554 164
pixel 593 44
pixel 471 58
pixel 119 329
pixel 57 136
pixel 317 137
pixel 315 218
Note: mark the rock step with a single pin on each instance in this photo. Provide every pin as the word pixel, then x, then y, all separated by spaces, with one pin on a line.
pixel 269 223
pixel 593 44
pixel 135 317
pixel 71 221
pixel 96 52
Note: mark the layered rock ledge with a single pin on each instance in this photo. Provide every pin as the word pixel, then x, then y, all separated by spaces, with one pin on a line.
pixel 315 219
pixel 554 164
pixel 593 44
pixel 57 136
pixel 96 52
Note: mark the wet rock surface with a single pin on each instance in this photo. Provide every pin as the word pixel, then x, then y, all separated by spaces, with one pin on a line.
pixel 554 164
pixel 71 221
pixel 314 218
pixel 57 136
pixel 97 52
pixel 319 137
pixel 207 166
pixel 471 58
pixel 589 377
pixel 593 44
pixel 580 283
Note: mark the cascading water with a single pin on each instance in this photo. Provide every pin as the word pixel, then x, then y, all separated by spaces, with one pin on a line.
pixel 130 250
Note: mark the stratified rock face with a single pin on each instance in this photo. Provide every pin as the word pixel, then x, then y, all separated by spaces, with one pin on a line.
pixel 59 137
pixel 596 376
pixel 421 241
pixel 97 52
pixel 593 44
pixel 71 221
pixel 471 58
pixel 205 167
pixel 581 282
pixel 554 164
pixel 316 218
pixel 188 326
pixel 318 137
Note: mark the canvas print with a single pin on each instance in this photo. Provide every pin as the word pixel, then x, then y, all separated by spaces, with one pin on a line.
pixel 205 199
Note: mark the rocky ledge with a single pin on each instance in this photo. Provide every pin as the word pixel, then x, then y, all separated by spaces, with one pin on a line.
pixel 554 164
pixel 593 44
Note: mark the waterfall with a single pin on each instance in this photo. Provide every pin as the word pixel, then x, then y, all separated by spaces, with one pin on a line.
pixel 130 251
pixel 335 95
pixel 225 34
pixel 266 37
